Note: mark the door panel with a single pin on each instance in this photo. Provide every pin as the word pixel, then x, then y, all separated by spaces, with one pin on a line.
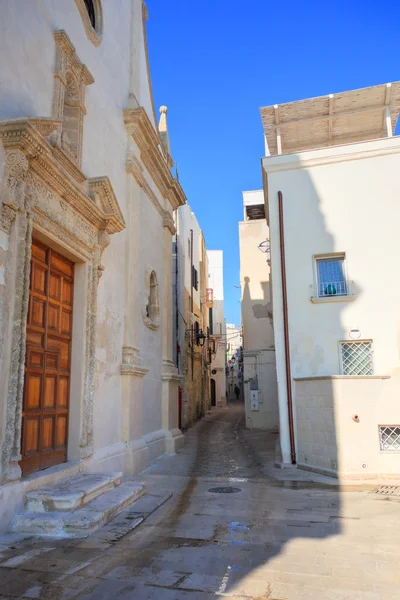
pixel 48 362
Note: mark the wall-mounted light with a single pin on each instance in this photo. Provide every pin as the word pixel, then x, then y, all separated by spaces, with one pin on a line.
pixel 354 334
pixel 201 338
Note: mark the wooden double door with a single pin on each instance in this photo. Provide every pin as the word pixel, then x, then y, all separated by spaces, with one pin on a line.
pixel 48 360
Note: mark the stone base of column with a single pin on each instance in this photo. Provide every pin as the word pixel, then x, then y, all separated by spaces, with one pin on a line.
pixel 137 457
pixel 174 441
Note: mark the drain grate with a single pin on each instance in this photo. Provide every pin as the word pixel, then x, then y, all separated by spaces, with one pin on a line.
pixel 388 490
pixel 225 490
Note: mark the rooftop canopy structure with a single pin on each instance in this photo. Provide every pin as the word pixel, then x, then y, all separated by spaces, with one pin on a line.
pixel 359 115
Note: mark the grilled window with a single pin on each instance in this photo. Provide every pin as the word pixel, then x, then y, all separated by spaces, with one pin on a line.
pixel 357 358
pixel 389 438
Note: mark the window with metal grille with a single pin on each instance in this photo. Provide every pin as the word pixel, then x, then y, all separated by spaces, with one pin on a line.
pixel 331 279
pixel 357 357
pixel 389 437
pixel 195 278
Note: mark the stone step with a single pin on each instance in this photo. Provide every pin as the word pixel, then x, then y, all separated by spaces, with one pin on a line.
pixel 72 493
pixel 83 521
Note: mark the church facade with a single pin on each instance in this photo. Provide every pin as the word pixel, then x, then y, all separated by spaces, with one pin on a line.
pixel 87 380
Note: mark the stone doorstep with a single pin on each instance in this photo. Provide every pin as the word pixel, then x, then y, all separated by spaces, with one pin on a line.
pixel 81 522
pixel 71 493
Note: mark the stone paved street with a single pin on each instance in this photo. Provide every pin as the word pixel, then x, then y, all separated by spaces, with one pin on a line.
pixel 282 540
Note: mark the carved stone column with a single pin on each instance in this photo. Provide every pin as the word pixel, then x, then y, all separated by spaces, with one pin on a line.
pixel 170 377
pixel 95 271
pixel 16 219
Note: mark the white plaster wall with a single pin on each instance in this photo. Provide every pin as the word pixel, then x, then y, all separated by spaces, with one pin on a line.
pixel 339 199
pixel 216 282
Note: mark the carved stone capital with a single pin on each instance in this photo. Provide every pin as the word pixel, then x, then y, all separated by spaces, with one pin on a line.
pixel 168 222
pixel 131 362
pixel 169 372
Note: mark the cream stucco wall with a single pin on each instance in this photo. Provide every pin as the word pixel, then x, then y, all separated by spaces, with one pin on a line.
pixel 339 199
pixel 258 334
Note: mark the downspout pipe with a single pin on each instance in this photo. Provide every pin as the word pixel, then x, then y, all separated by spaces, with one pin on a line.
pixel 286 330
pixel 191 297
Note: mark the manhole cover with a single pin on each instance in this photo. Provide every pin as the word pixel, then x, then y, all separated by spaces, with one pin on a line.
pixel 388 490
pixel 224 490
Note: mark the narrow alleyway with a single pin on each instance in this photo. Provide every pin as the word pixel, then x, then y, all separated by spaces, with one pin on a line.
pixel 229 530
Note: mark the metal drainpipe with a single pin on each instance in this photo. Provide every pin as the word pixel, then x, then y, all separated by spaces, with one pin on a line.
pixel 176 302
pixel 191 297
pixel 286 330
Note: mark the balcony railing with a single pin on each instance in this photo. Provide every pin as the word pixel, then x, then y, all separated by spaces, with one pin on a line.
pixel 332 290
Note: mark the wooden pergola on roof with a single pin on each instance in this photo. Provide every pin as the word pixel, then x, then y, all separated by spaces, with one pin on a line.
pixel 359 115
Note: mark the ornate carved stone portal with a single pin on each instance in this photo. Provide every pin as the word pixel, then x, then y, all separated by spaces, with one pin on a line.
pixel 43 190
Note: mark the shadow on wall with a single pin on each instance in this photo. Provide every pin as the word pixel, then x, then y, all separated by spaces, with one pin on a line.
pixel 314 401
pixel 259 355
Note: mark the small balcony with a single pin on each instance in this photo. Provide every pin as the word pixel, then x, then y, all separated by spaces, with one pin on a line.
pixel 332 291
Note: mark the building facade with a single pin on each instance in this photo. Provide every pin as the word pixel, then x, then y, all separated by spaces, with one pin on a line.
pixel 193 300
pixel 217 329
pixel 332 193
pixel 233 356
pixel 87 378
pixel 259 368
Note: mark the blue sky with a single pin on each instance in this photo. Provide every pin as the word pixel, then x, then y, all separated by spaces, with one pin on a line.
pixel 215 62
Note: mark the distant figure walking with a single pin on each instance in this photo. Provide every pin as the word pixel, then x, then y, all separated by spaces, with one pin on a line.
pixel 237 392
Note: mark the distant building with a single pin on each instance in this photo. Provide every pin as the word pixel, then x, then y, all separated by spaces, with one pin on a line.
pixel 259 372
pixel 217 328
pixel 332 191
pixel 233 355
pixel 192 303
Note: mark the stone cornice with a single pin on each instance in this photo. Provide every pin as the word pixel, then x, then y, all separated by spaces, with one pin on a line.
pixel 101 190
pixel 331 154
pixel 20 134
pixel 138 125
pixel 134 167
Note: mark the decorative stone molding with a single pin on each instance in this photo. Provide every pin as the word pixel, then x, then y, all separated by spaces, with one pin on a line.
pixel 151 306
pixel 168 222
pixel 169 371
pixel 15 169
pixel 94 34
pixel 131 362
pixel 153 156
pixel 71 78
pixel 134 167
pixel 23 136
pixel 102 193
pixel 38 193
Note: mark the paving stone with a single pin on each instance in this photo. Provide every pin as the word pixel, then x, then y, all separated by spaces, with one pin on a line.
pixel 282 540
